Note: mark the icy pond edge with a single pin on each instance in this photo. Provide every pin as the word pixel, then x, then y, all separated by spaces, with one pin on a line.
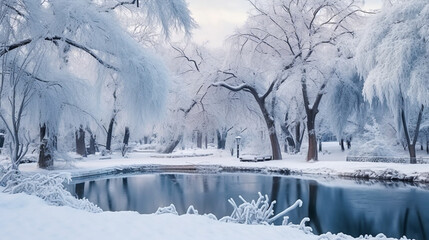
pixel 389 175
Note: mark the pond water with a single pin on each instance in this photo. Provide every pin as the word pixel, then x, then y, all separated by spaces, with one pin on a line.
pixel 347 206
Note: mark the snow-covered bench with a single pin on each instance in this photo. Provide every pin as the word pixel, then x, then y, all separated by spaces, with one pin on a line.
pixel 255 158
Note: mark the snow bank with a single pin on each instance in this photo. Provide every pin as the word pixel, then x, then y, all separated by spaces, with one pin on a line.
pixel 38 220
pixel 47 187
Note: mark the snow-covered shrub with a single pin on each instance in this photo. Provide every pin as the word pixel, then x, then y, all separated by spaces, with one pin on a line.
pixel 256 212
pixel 48 187
pixel 373 143
pixel 259 212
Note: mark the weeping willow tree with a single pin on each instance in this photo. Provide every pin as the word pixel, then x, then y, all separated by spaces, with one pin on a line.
pixel 63 33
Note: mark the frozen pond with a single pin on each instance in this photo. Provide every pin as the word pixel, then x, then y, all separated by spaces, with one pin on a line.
pixel 336 206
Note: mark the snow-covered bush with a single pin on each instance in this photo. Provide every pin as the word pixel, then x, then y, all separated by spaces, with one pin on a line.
pixel 256 212
pixel 48 187
pixel 373 143
pixel 259 212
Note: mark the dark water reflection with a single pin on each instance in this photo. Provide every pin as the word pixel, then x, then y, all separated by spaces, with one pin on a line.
pixel 335 207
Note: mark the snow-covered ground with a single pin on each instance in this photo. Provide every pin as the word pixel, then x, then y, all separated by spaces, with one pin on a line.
pixel 332 163
pixel 28 217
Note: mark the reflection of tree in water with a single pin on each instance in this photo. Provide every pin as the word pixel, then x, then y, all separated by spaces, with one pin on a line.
pixel 92 193
pixel 411 224
pixel 422 226
pixel 80 190
pixel 312 207
pixel 355 211
pixel 126 192
pixel 275 189
pixel 109 195
pixel 171 185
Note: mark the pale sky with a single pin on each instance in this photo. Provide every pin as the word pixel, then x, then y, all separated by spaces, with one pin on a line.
pixel 217 19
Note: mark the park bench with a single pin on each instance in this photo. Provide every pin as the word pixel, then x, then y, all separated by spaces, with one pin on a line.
pixel 255 158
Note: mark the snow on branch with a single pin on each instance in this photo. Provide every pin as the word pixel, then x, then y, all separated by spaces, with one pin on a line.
pixel 8 48
pixel 230 87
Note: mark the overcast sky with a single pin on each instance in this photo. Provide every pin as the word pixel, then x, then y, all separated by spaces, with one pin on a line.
pixel 218 19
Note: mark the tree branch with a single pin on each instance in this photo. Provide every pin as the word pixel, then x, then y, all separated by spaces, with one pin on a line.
pixel 419 120
pixel 269 90
pixel 183 55
pixel 8 48
pixel 121 4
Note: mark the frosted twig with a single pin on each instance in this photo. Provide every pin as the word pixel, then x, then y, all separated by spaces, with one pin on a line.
pixel 298 203
pixel 170 209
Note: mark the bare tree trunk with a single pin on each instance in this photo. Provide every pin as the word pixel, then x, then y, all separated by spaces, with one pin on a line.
pixel 205 141
pixel 427 146
pixel 199 139
pixel 46 160
pixel 2 133
pixel 109 135
pixel 269 120
pixel 342 145
pixel 125 142
pixel 173 144
pixel 275 146
pixel 311 112
pixel 412 142
pixel 320 145
pixel 299 136
pixel 221 135
pixel 312 140
pixel 412 151
pixel 220 140
pixel 92 142
pixel 289 142
pixel 349 143
pixel 80 142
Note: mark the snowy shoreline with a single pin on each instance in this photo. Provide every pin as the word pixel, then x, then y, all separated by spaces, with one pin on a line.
pixel 331 166
pixel 419 179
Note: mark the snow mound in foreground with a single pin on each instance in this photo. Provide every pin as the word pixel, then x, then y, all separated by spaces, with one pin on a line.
pixel 38 220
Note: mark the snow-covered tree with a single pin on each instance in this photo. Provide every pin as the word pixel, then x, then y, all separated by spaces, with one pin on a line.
pixel 345 109
pixel 300 39
pixel 89 29
pixel 393 58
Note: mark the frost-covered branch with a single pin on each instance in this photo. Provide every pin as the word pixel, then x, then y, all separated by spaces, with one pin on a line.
pixel 183 55
pixel 122 4
pixel 230 87
pixel 255 212
pixel 8 48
